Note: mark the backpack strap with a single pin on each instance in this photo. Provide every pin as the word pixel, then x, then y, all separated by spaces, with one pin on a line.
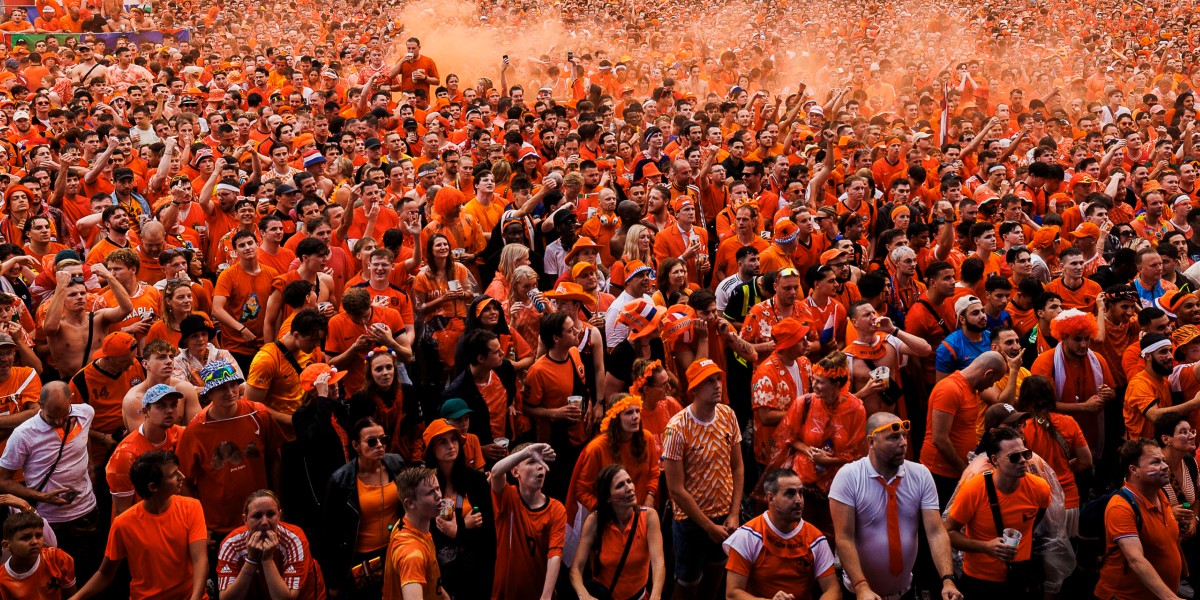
pixel 1137 511
pixel 994 502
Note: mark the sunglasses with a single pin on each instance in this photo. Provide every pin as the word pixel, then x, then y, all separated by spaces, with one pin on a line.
pixel 1017 457
pixel 788 272
pixel 385 439
pixel 76 279
pixel 894 427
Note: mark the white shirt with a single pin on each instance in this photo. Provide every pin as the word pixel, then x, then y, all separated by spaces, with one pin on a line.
pixel 33 448
pixel 725 290
pixel 614 332
pixel 855 486
pixel 554 260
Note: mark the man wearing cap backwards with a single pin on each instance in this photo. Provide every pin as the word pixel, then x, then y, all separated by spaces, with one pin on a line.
pixel 702 461
pixel 966 343
pixel 159 410
pixel 103 384
pixel 72 331
pixel 87 68
pixel 1149 395
pixel 229 450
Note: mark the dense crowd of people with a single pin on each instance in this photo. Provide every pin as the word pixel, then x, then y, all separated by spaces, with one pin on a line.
pixel 885 304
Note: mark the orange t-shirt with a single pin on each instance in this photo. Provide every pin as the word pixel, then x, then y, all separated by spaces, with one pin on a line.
pixel 146 303
pixel 1082 298
pixel 953 396
pixel 54 572
pixel 412 558
pixel 281 261
pixel 105 392
pixel 246 301
pixel 1144 392
pixel 773 259
pixel 343 332
pixel 1159 534
pixel 525 539
pixel 134 445
pixel 1040 440
pixel 156 547
pixel 1018 510
pixel 227 460
pixel 549 383
pixel 726 262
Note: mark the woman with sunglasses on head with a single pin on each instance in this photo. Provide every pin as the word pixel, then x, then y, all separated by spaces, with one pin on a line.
pixel 178 303
pixel 467 560
pixel 361 503
pixel 267 558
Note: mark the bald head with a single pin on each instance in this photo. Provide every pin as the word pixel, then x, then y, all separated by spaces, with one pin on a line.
pixel 54 391
pixel 986 370
pixel 153 232
pixel 629 211
pixel 880 419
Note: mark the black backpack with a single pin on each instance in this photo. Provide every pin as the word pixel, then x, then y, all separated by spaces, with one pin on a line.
pixel 1091 516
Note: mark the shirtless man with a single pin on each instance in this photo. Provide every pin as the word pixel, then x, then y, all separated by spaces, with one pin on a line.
pixel 158 359
pixel 871 351
pixel 69 326
pixel 87 68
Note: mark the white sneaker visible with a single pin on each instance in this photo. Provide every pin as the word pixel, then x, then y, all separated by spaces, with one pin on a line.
pixel 1185 590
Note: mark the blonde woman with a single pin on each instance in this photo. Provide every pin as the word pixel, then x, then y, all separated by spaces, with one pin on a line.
pixel 525 305
pixel 511 257
pixel 639 245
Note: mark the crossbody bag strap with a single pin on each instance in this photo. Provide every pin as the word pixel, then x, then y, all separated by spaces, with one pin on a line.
pixel 288 355
pixel 940 321
pixel 625 554
pixel 54 465
pixel 994 502
pixel 87 350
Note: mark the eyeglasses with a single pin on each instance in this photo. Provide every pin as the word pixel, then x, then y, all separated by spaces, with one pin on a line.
pixel 893 427
pixel 375 441
pixel 1017 457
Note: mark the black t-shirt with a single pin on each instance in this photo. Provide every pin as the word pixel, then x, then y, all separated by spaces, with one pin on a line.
pixel 619 362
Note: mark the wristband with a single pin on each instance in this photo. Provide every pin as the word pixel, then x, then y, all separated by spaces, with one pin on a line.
pixel 854 584
pixel 949 577
pixel 250 561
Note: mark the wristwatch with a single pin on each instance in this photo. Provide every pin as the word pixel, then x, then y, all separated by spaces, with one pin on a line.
pixel 950 577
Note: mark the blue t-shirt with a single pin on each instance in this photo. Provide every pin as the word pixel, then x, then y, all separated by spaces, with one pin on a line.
pixel 956 351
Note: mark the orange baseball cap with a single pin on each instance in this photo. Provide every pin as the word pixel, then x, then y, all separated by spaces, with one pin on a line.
pixel 1087 229
pixel 308 377
pixel 116 344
